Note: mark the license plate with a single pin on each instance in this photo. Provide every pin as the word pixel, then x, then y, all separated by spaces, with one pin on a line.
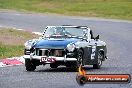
pixel 47 59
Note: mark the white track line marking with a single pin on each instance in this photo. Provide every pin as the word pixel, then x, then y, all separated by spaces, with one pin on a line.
pixel 37 33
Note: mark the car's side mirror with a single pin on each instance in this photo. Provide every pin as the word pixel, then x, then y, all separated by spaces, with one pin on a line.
pixel 96 38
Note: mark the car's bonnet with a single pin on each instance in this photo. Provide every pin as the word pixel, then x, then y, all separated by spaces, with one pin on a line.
pixel 54 43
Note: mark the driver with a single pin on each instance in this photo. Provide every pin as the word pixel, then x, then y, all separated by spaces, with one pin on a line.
pixel 59 31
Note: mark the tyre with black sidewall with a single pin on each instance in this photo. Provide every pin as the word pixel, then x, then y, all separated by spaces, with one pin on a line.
pixel 99 61
pixel 79 62
pixel 30 66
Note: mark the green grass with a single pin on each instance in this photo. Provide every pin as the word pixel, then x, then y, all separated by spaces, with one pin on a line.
pixel 10 50
pixel 12 42
pixel 120 9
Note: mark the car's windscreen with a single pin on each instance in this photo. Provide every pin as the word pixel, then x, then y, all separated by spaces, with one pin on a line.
pixel 65 32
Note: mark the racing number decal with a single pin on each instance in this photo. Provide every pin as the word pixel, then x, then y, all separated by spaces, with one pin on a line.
pixel 93 52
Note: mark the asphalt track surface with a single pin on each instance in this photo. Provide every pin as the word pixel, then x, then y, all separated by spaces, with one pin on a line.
pixel 117 35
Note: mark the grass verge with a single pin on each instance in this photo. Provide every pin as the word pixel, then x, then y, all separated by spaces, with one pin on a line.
pixel 120 9
pixel 7 51
pixel 12 42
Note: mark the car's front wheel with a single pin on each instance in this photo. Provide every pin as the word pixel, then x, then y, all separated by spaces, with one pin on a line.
pixel 79 61
pixel 30 66
pixel 99 62
pixel 80 58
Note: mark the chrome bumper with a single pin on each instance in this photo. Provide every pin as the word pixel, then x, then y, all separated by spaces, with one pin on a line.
pixel 56 58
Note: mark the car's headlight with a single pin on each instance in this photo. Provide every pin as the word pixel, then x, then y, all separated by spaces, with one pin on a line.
pixel 28 45
pixel 71 47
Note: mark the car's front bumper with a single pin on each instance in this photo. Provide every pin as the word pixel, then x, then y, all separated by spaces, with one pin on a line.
pixel 56 58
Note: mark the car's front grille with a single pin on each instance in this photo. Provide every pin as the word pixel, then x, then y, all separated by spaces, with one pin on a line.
pixel 50 52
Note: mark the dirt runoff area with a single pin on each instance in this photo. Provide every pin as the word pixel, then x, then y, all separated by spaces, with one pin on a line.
pixel 15 37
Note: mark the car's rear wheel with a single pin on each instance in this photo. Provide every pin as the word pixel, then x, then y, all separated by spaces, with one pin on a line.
pixel 53 65
pixel 99 62
pixel 30 66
